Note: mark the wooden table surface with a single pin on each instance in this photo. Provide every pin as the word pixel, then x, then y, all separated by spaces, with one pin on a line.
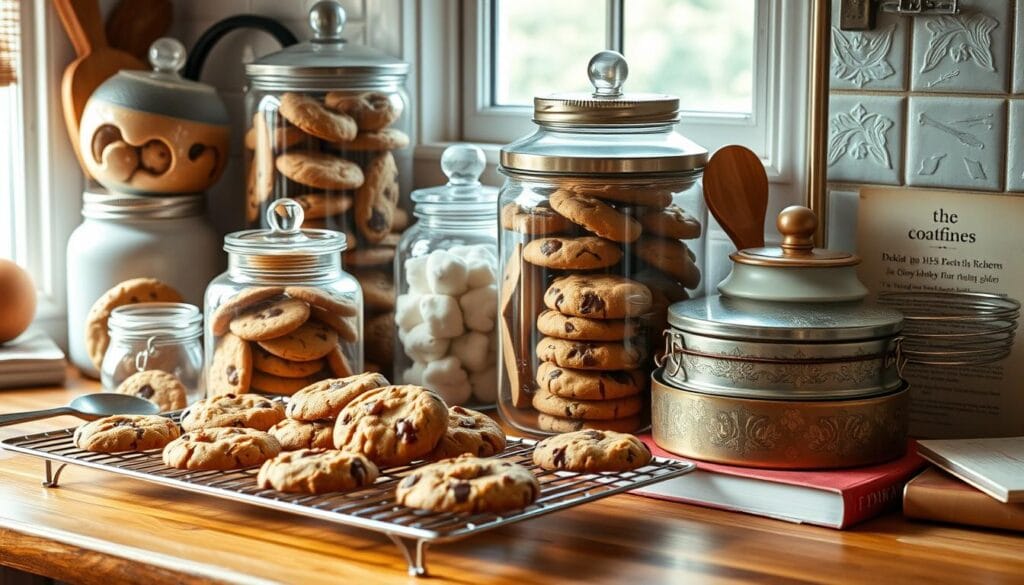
pixel 98 528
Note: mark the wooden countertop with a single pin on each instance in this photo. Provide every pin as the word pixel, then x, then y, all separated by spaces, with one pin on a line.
pixel 97 528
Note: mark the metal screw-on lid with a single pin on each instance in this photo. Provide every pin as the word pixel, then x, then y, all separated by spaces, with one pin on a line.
pixel 163 91
pixel 326 59
pixel 636 141
pixel 285 236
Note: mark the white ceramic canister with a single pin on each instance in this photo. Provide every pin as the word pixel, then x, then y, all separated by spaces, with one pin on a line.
pixel 126 236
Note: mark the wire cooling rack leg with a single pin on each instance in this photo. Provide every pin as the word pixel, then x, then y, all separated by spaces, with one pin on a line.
pixel 415 552
pixel 52 477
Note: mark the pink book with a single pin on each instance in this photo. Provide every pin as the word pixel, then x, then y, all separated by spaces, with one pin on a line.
pixel 835 499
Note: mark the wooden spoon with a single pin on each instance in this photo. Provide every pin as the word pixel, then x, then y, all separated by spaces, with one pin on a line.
pixel 133 25
pixel 95 63
pixel 736 191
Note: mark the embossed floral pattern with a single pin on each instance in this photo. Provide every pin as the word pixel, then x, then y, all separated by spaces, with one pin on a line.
pixel 861 58
pixel 860 135
pixel 967 38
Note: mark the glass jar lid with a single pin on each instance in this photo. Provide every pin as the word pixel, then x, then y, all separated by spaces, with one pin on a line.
pixel 163 91
pixel 607 131
pixel 744 319
pixel 98 204
pixel 463 196
pixel 328 57
pixel 285 236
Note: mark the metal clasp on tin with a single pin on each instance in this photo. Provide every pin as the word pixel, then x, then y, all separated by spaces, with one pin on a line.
pixel 673 348
pixel 897 356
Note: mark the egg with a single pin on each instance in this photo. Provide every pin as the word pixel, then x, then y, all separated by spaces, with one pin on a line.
pixel 17 300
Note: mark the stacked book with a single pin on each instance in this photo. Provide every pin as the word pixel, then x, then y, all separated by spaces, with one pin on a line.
pixel 31 359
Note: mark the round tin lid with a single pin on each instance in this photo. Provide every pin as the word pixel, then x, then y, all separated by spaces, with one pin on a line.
pixel 797 225
pixel 285 236
pixel 326 56
pixel 162 90
pixel 732 318
pixel 463 195
pixel 649 149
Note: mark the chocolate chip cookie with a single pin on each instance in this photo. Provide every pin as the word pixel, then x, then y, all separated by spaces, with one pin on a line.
pixel 323 400
pixel 591 451
pixel 316 471
pixel 233 410
pixel 230 371
pixel 312 340
pixel 270 384
pixel 266 362
pixel 126 432
pixel 220 448
pixel 129 292
pixel 586 253
pixel 671 257
pixel 647 196
pixel 315 119
pixel 470 432
pixel 336 304
pixel 558 424
pixel 321 205
pixel 595 216
pixel 469 484
pixel 589 384
pixel 598 296
pixel 338 364
pixel 534 221
pixel 369 256
pixel 161 388
pixel 319 170
pixel 591 355
pixel 270 318
pixel 230 308
pixel 555 324
pixel 372 110
pixel 617 408
pixel 671 222
pixel 378 287
pixel 300 434
pixel 386 139
pixel 393 425
pixel 377 198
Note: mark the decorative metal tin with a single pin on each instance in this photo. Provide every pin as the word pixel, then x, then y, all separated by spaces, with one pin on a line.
pixel 779 434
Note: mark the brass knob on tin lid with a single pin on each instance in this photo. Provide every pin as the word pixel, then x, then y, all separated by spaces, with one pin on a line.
pixel 797 225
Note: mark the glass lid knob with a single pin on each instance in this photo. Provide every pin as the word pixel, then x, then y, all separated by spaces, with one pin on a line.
pixel 327 19
pixel 463 164
pixel 167 55
pixel 608 70
pixel 285 217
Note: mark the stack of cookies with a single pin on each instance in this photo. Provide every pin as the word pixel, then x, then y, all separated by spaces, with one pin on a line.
pixel 584 299
pixel 277 340
pixel 333 153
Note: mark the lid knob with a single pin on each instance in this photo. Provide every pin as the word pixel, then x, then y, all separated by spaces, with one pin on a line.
pixel 463 164
pixel 167 55
pixel 797 225
pixel 285 216
pixel 327 19
pixel 608 70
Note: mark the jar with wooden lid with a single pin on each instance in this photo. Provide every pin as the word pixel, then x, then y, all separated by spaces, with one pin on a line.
pixel 602 228
pixel 285 314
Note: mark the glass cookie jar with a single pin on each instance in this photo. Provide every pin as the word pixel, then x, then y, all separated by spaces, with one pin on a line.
pixel 445 271
pixel 285 314
pixel 330 123
pixel 602 228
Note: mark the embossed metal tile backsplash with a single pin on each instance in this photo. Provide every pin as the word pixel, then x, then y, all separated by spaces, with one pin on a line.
pixel 930 101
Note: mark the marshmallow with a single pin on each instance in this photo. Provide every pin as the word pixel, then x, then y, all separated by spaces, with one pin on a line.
pixel 479 273
pixel 407 311
pixel 471 349
pixel 442 316
pixel 480 308
pixel 485 385
pixel 446 273
pixel 421 346
pixel 447 378
pixel 416 274
pixel 414 374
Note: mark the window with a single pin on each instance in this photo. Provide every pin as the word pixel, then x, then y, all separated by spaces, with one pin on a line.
pixel 737 65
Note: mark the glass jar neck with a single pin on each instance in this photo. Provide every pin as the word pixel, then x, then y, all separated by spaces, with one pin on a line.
pixel 155 323
pixel 658 128
pixel 284 268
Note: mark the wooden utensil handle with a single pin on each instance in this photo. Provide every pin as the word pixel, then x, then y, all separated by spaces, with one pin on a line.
pixel 84 24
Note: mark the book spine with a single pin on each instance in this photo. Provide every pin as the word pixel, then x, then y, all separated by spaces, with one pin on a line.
pixel 957 507
pixel 869 500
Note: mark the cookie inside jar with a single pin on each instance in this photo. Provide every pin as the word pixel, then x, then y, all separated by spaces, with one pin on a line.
pixel 284 315
pixel 602 228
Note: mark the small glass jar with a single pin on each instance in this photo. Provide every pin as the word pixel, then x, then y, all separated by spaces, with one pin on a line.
pixel 285 314
pixel 330 123
pixel 445 271
pixel 155 336
pixel 602 229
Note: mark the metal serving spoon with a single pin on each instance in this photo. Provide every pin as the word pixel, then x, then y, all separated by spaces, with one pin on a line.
pixel 89 407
